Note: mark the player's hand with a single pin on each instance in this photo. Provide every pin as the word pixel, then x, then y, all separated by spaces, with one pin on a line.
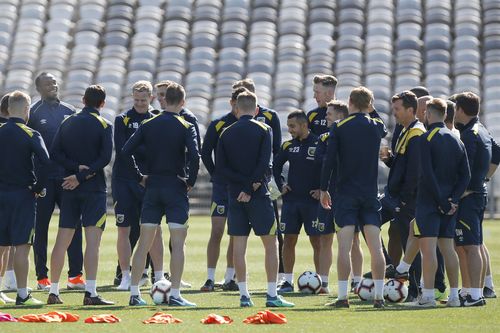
pixel 325 200
pixel 82 167
pixel 384 153
pixel 256 186
pixel 285 189
pixel 315 194
pixel 40 194
pixel 243 197
pixel 188 188
pixel 70 183
pixel 143 181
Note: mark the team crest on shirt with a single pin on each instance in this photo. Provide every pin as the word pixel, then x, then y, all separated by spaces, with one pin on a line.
pixel 221 209
pixel 311 151
pixel 321 227
pixel 43 121
pixel 261 119
pixel 120 218
pixel 282 226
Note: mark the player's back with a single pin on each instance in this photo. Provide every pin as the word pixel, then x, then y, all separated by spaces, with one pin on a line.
pixel 358 142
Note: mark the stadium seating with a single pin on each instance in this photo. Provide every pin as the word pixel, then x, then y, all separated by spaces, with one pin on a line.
pixel 448 46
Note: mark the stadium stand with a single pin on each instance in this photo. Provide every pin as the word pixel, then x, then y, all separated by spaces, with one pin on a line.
pixel 448 46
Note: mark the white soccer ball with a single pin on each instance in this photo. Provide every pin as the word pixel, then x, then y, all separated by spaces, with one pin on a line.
pixel 366 290
pixel 160 291
pixel 395 291
pixel 309 283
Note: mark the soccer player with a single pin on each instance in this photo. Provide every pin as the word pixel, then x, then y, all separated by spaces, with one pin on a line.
pixel 403 179
pixel 352 156
pixel 250 206
pixel 45 117
pixel 19 188
pixel 336 111
pixel 82 146
pixel 469 229
pixel 219 200
pixel 324 91
pixel 449 121
pixel 127 185
pixel 165 139
pixel 300 194
pixel 444 175
pixel 270 118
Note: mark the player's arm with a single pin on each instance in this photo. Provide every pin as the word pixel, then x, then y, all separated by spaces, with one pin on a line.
pixel 279 160
pixel 131 146
pixel 209 145
pixel 40 151
pixel 329 160
pixel 192 155
pixel 263 163
pixel 59 156
pixel 104 157
pixel 470 144
pixel 495 158
pixel 410 180
pixel 276 127
pixel 197 130
pixel 463 178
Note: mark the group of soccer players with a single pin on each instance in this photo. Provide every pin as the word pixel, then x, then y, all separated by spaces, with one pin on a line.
pixel 434 199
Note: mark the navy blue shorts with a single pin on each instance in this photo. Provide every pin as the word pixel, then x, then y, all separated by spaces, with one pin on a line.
pixel 82 207
pixel 127 201
pixel 326 220
pixel 469 226
pixel 430 222
pixel 171 201
pixel 294 214
pixel 257 214
pixel 219 200
pixel 17 217
pixel 356 211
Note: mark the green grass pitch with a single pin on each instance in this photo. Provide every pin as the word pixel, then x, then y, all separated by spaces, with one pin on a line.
pixel 309 315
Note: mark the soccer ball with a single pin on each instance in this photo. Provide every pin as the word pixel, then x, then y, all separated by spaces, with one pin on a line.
pixel 366 290
pixel 395 291
pixel 160 291
pixel 309 283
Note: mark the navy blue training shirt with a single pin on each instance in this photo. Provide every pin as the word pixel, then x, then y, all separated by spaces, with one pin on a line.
pixel 85 138
pixel 317 120
pixel 270 118
pixel 165 138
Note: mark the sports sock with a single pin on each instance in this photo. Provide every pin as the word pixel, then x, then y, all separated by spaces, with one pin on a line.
pixel 281 276
pixel 343 286
pixel 271 289
pixel 428 293
pixel 453 293
pixel 211 274
pixel 324 280
pixel 403 267
pixel 22 292
pixel 126 275
pixel 134 291
pixel 10 275
pixel 159 275
pixel 465 291
pixel 145 271
pixel 229 274
pixel 243 287
pixel 475 293
pixel 289 278
pixel 54 288
pixel 175 293
pixel 91 287
pixel 488 281
pixel 379 289
pixel 356 279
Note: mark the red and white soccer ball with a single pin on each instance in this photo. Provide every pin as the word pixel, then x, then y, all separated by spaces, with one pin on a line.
pixel 366 290
pixel 160 291
pixel 395 291
pixel 309 283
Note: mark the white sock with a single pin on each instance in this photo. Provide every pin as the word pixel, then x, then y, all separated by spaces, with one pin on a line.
pixel 159 275
pixel 145 271
pixel 134 291
pixel 379 289
pixel 289 277
pixel 343 287
pixel 324 279
pixel 465 291
pixel 475 293
pixel 243 287
pixel 229 274
pixel 175 293
pixel 91 287
pixel 22 292
pixel 488 281
pixel 356 279
pixel 54 288
pixel 281 276
pixel 10 275
pixel 422 284
pixel 126 275
pixel 403 267
pixel 428 293
pixel 453 293
pixel 211 274
pixel 271 289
